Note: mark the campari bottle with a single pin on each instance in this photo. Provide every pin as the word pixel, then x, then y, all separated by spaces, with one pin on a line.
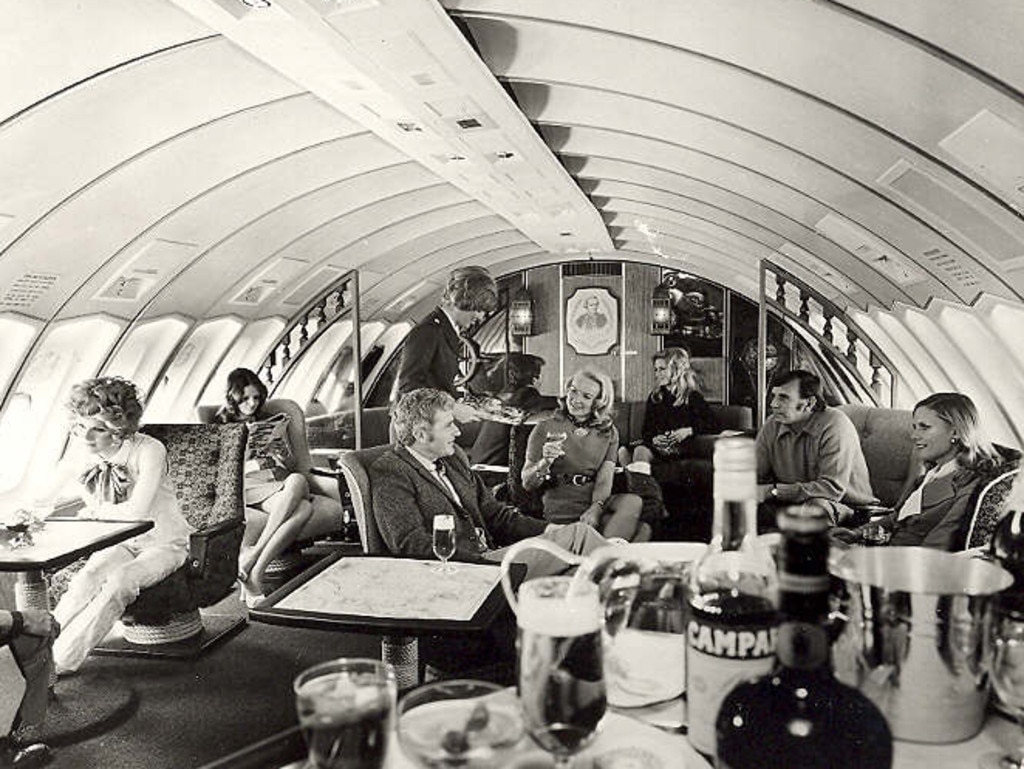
pixel 799 715
pixel 731 631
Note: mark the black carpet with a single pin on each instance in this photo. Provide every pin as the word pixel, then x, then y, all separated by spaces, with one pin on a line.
pixel 175 714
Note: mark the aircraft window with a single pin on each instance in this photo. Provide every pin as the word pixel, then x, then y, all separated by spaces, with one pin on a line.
pixel 962 369
pixel 17 335
pixel 144 350
pixel 248 350
pixel 304 375
pixel 338 388
pixel 988 356
pixel 176 394
pixel 909 384
pixel 932 377
pixel 68 352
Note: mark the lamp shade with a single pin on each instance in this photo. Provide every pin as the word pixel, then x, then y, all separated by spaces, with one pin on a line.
pixel 520 314
pixel 661 311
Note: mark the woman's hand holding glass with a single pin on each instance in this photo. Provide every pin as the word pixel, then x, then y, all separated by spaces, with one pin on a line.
pixel 554 446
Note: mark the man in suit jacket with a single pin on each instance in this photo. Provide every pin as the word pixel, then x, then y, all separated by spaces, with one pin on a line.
pixel 430 357
pixel 26 662
pixel 426 474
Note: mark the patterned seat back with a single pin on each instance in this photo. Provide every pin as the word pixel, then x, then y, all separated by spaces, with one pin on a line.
pixel 989 509
pixel 205 465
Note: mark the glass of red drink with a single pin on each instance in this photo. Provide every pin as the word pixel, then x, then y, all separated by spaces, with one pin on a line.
pixel 346 710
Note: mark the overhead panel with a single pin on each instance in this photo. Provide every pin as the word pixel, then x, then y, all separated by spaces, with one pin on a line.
pixel 277 274
pixel 404 70
pixel 151 266
pixel 871 250
pixel 937 201
pixel 987 143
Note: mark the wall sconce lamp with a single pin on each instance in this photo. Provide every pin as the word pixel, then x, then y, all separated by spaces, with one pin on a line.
pixel 661 311
pixel 520 314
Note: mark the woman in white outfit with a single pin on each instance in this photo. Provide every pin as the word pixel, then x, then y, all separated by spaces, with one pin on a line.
pixel 123 475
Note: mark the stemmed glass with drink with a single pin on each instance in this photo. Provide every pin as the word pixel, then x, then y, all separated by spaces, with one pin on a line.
pixel 1006 671
pixel 444 542
pixel 561 668
pixel 346 709
pixel 459 723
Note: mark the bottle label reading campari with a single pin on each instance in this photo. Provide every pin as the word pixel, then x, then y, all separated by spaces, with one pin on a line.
pixel 720 655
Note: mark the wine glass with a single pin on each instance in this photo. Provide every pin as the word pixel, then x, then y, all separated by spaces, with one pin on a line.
pixel 561 667
pixel 460 723
pixel 444 542
pixel 1006 671
pixel 557 436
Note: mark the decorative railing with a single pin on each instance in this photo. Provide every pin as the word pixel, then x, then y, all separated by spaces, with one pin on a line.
pixel 332 304
pixel 846 345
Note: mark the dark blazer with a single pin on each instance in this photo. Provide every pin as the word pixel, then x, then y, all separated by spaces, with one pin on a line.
pixel 430 356
pixel 406 497
pixel 946 503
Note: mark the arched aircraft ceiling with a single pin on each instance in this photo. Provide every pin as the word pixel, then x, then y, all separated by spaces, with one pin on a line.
pixel 211 146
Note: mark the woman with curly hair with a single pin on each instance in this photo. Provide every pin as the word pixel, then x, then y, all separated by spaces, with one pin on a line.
pixel 675 411
pixel 280 507
pixel 572 457
pixel 123 475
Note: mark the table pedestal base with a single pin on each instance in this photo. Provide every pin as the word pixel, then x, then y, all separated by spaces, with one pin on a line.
pixel 403 654
pixel 30 591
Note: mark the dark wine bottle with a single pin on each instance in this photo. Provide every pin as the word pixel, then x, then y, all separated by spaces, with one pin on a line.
pixel 799 715
pixel 1007 547
pixel 730 636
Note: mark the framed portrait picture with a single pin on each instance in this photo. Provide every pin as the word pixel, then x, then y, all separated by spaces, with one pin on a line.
pixel 592 321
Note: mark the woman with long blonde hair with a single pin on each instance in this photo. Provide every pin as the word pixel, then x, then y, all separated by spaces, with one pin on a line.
pixel 675 411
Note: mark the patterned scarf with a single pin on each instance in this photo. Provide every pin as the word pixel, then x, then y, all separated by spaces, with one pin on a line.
pixel 108 482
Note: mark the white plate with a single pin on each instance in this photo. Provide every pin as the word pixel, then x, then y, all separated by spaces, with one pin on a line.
pixel 621 743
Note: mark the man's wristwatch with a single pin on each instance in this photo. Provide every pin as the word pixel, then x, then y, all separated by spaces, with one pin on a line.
pixel 773 492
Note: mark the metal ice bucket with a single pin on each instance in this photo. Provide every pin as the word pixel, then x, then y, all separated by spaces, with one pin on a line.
pixel 912 626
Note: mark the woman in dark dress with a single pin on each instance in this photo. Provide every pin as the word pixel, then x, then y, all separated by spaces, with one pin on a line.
pixel 675 412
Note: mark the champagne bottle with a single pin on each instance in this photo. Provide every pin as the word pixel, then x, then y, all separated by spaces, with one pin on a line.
pixel 731 630
pixel 800 715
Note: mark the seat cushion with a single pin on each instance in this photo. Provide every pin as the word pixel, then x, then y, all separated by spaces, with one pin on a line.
pixel 885 441
pixel 157 603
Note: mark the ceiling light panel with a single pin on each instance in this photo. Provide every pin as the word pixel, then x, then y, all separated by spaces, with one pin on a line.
pixel 985 143
pixel 421 72
pixel 870 249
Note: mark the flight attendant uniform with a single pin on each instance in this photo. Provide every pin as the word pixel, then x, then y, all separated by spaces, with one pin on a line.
pixel 430 357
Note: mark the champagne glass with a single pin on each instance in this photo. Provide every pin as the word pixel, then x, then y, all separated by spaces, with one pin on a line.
pixel 459 723
pixel 1006 671
pixel 561 667
pixel 444 542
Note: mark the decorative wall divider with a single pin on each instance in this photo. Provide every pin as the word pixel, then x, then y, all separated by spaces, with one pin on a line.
pixel 862 363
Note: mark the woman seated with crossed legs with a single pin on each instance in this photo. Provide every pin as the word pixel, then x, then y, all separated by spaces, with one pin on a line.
pixel 572 456
pixel 280 508
pixel 123 475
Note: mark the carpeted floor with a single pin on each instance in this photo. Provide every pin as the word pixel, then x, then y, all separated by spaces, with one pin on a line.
pixel 176 714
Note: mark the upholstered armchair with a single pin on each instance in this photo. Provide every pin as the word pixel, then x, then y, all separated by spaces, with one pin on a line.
pixel 322 481
pixel 205 464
